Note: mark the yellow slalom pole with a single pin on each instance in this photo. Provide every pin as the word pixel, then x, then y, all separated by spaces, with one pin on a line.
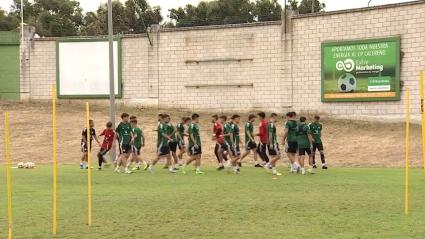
pixel 88 163
pixel 8 175
pixel 55 172
pixel 421 87
pixel 406 163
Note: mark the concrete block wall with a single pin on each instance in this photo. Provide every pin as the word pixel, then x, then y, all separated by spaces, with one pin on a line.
pixel 276 70
pixel 404 20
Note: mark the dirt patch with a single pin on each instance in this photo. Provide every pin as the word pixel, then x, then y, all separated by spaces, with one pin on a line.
pixel 347 143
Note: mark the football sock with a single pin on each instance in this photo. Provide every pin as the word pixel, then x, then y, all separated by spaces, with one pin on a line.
pixel 322 157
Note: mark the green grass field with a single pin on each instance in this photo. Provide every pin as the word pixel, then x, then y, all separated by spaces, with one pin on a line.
pixel 339 203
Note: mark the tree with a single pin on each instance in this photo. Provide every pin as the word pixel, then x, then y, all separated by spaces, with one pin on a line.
pixel 7 22
pixel 267 10
pixel 216 12
pixel 134 16
pixel 304 7
pixel 51 17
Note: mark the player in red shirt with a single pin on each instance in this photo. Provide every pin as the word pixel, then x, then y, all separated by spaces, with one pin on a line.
pixel 108 141
pixel 262 133
pixel 220 147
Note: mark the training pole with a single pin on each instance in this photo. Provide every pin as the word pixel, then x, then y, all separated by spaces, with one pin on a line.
pixel 55 169
pixel 8 175
pixel 421 87
pixel 406 163
pixel 88 164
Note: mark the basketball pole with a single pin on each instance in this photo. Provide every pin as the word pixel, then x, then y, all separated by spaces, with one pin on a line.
pixel 406 162
pixel 111 73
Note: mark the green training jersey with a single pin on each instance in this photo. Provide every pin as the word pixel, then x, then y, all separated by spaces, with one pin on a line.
pixel 165 129
pixel 292 126
pixel 180 129
pixel 194 132
pixel 227 130
pixel 316 131
pixel 271 130
pixel 249 130
pixel 302 136
pixel 138 137
pixel 236 134
pixel 171 131
pixel 124 133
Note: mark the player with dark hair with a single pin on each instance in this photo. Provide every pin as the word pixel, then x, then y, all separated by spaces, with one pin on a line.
pixel 163 147
pixel 273 145
pixel 108 140
pixel 125 138
pixel 195 147
pixel 138 143
pixel 316 132
pixel 262 134
pixel 290 140
pixel 250 144
pixel 84 146
pixel 304 140
pixel 235 143
pixel 181 133
pixel 221 147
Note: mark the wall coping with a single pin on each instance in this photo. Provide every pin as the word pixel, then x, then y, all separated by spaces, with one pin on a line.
pixel 362 9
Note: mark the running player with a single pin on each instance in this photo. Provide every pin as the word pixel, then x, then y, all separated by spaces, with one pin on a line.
pixel 304 140
pixel 235 139
pixel 181 133
pixel 290 140
pixel 220 146
pixel 195 147
pixel 138 143
pixel 262 133
pixel 163 148
pixel 250 144
pixel 108 141
pixel 214 120
pixel 171 131
pixel 316 132
pixel 273 145
pixel 84 148
pixel 227 127
pixel 125 137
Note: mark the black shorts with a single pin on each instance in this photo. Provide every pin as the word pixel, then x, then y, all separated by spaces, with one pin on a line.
pixel 163 150
pixel 304 151
pixel 195 150
pixel 250 145
pixel 224 147
pixel 236 151
pixel 318 146
pixel 273 149
pixel 84 147
pixel 136 150
pixel 292 147
pixel 173 146
pixel 125 148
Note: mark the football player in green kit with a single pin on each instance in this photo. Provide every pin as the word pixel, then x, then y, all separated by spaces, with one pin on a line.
pixel 227 129
pixel 181 133
pixel 138 143
pixel 316 132
pixel 273 145
pixel 290 140
pixel 250 144
pixel 125 139
pixel 235 143
pixel 195 146
pixel 304 140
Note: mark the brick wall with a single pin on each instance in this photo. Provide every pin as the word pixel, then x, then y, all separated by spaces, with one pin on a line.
pixel 252 66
